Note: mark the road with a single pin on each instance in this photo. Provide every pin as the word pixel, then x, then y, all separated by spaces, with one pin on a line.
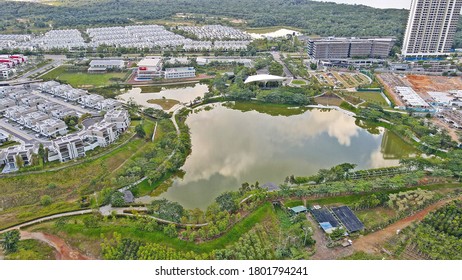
pixel 287 73
pixel 57 60
pixel 16 132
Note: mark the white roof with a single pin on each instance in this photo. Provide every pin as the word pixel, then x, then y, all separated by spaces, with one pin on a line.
pixel 411 97
pixel 263 78
pixel 106 62
pixel 441 97
pixel 149 62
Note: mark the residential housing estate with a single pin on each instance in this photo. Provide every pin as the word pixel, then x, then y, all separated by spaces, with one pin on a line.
pixel 39 110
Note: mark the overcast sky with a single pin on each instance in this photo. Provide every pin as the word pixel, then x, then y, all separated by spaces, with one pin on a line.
pixel 399 4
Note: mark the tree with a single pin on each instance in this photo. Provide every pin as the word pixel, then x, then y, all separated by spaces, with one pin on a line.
pixel 140 131
pixel 117 199
pixel 313 66
pixel 19 161
pixel 170 230
pixel 167 210
pixel 45 200
pixel 226 202
pixel 10 245
pixel 337 233
pixel 41 152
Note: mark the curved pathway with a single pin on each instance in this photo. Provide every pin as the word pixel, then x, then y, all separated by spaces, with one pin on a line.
pixel 48 218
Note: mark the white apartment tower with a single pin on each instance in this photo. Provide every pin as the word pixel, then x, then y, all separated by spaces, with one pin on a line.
pixel 431 27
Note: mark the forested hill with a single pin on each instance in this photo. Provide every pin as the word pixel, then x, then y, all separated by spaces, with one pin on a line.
pixel 321 18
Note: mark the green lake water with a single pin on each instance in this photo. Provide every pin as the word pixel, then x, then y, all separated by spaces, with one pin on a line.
pixel 230 147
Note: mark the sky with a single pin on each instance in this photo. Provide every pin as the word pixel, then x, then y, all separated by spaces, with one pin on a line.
pixel 398 4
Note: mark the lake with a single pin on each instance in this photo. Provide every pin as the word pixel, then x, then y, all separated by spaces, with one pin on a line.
pixel 182 93
pixel 230 147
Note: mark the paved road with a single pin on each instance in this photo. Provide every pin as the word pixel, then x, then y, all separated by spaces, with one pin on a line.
pixel 57 60
pixel 16 132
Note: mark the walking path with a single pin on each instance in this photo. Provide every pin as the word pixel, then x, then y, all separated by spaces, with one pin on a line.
pixel 48 218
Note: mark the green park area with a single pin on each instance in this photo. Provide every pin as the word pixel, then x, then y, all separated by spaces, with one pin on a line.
pixel 82 79
pixel 73 185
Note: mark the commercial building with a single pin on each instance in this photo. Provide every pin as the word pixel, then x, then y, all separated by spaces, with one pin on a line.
pixel 431 27
pixel 149 68
pixel 178 73
pixel 97 66
pixel 341 48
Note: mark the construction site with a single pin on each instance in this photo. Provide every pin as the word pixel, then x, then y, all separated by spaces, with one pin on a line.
pixel 443 93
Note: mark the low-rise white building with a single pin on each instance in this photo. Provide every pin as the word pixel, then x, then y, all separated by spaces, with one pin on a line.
pixel 179 73
pixel 120 117
pixel 149 68
pixel 109 104
pixel 10 157
pixel 91 100
pixel 51 127
pixel 6 103
pixel 66 148
pixel 103 132
pixel 102 65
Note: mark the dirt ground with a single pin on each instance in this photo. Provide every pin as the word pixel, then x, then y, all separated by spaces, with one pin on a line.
pixel 390 81
pixel 372 243
pixel 423 84
pixel 451 131
pixel 62 250
pixel 322 252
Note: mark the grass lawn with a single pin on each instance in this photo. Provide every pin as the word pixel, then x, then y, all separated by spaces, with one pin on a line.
pixel 371 97
pixel 298 82
pixel 293 203
pixel 32 250
pixel 166 104
pixel 266 108
pixel 81 79
pixel 375 216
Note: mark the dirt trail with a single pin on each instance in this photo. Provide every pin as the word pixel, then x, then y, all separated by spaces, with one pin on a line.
pixel 372 243
pixel 62 250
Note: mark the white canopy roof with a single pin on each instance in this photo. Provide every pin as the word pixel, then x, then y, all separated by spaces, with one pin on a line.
pixel 263 78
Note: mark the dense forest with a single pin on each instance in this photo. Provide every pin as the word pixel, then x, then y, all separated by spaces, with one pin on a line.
pixel 320 18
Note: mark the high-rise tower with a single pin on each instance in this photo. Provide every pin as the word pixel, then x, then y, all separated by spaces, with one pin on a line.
pixel 431 27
